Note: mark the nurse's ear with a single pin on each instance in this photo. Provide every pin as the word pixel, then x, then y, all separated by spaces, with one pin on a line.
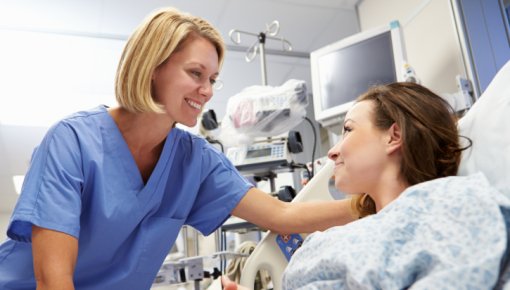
pixel 153 77
pixel 156 71
pixel 394 139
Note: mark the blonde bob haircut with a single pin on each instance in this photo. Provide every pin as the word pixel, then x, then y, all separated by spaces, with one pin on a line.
pixel 152 43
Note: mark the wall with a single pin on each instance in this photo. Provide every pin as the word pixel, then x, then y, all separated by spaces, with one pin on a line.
pixel 4 222
pixel 430 37
pixel 484 25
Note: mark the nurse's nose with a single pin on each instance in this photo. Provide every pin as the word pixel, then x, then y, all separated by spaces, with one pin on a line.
pixel 206 90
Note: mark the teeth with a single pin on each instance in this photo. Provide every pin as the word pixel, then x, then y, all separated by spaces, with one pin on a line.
pixel 194 105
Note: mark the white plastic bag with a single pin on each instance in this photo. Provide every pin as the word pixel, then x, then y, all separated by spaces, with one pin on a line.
pixel 263 111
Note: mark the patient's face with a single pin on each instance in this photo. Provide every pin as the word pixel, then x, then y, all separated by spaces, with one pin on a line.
pixel 360 157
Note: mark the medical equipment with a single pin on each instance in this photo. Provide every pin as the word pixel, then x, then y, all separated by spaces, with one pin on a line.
pixel 461 100
pixel 191 269
pixel 263 155
pixel 267 157
pixel 209 121
pixel 266 154
pixel 345 69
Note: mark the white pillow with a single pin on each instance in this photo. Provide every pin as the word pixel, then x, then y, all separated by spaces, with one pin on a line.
pixel 487 124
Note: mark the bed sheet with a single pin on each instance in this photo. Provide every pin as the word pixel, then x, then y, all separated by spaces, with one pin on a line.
pixel 449 233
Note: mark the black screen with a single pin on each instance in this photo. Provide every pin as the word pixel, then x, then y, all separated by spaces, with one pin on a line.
pixel 348 72
pixel 258 153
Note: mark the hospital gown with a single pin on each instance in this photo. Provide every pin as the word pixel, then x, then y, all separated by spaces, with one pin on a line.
pixel 83 181
pixel 450 233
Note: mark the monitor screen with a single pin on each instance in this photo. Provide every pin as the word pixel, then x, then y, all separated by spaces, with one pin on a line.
pixel 345 69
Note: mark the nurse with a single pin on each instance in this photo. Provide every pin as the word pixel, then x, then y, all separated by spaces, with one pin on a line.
pixel 108 189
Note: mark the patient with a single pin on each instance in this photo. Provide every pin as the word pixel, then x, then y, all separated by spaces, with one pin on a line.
pixel 395 136
pixel 417 229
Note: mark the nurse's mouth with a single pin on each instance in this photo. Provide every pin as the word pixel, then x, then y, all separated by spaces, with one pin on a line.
pixel 193 104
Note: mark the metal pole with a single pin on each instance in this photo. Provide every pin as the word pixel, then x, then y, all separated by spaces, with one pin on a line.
pixel 185 238
pixel 271 31
pixel 217 239
pixel 262 42
pixel 196 242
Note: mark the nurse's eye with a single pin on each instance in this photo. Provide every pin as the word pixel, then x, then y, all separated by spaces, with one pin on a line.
pixel 196 74
pixel 212 81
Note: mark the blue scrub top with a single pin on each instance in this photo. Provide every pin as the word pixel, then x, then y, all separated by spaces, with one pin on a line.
pixel 83 181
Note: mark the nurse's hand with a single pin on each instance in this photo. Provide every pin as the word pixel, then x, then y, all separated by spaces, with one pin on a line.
pixel 229 285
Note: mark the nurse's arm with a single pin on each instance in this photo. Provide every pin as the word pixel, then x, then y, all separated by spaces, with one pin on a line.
pixel 55 255
pixel 270 213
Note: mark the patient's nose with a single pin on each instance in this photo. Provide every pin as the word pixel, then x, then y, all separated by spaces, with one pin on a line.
pixel 332 154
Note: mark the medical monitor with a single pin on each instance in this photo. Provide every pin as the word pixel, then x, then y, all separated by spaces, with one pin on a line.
pixel 345 69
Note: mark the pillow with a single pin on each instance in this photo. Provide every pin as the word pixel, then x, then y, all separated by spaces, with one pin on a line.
pixel 487 124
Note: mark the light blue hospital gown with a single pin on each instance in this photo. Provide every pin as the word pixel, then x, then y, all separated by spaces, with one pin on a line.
pixel 450 233
pixel 83 181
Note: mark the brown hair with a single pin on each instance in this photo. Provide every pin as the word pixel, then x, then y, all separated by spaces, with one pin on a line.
pixel 430 138
pixel 152 43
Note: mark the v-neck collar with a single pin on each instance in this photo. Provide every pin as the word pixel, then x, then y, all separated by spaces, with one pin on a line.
pixel 117 144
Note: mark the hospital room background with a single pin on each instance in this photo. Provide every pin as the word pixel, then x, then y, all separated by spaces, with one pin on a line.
pixel 57 57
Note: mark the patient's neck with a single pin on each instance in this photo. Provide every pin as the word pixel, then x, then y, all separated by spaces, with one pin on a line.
pixel 388 193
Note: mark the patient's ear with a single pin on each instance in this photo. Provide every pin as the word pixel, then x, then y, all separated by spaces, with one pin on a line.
pixel 394 139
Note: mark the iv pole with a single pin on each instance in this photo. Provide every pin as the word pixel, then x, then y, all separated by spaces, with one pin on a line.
pixel 259 45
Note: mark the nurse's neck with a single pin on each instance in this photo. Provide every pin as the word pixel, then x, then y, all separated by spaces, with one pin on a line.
pixel 142 131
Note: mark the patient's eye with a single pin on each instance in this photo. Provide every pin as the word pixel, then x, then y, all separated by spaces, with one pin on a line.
pixel 346 129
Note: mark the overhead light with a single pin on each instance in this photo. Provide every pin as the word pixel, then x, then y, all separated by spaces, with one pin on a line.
pixel 18 182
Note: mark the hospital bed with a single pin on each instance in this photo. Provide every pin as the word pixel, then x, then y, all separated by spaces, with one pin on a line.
pixel 268 254
pixel 487 124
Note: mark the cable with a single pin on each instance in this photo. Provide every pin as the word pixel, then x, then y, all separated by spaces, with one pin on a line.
pixel 314 144
pixel 214 141
pixel 415 13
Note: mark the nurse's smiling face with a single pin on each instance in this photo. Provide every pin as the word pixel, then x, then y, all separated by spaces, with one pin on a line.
pixel 184 83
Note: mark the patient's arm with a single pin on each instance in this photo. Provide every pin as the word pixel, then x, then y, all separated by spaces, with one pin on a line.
pixel 297 217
